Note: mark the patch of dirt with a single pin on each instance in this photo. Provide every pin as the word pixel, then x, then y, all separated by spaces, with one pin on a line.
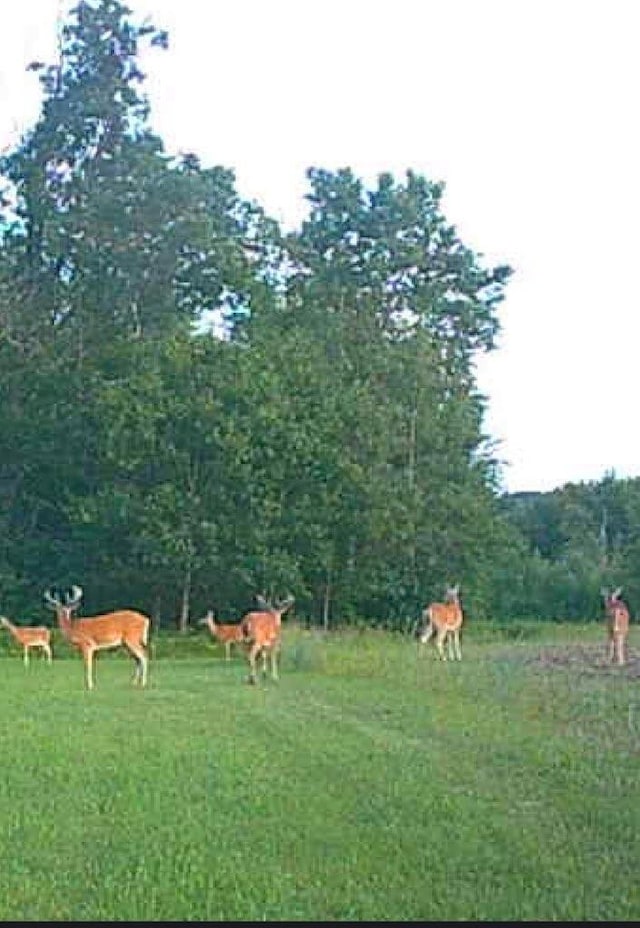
pixel 584 659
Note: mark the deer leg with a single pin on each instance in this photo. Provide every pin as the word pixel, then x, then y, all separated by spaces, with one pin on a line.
pixel 47 651
pixel 253 653
pixel 274 663
pixel 87 654
pixel 25 656
pixel 140 657
pixel 440 644
pixel 228 649
pixel 456 645
pixel 424 638
pixel 144 668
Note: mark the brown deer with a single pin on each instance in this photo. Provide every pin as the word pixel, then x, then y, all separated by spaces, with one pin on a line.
pixel 101 632
pixel 30 636
pixel 617 622
pixel 227 635
pixel 261 630
pixel 445 621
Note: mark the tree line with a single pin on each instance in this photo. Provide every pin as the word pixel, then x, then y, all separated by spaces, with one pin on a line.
pixel 196 406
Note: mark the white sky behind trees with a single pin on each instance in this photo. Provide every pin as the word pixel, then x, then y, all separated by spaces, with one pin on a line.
pixel 526 109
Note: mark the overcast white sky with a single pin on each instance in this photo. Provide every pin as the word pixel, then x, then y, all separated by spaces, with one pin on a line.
pixel 526 109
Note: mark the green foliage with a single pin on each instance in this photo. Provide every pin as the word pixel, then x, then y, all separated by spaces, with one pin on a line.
pixel 324 439
pixel 578 539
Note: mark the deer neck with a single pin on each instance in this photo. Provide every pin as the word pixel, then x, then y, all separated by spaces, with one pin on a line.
pixel 65 622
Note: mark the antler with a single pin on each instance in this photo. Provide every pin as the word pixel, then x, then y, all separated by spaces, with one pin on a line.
pixel 74 596
pixel 280 605
pixel 51 599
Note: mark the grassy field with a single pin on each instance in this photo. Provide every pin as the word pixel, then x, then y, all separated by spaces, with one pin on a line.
pixel 365 785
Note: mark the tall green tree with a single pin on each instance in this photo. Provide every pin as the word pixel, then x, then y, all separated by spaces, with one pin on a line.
pixel 400 307
pixel 107 244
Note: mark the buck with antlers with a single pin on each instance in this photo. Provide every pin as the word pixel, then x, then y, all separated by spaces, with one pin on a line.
pixel 101 632
pixel 261 629
pixel 617 621
pixel 31 636
pixel 445 621
pixel 227 635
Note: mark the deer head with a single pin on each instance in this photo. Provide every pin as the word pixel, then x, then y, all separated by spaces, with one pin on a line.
pixel 611 598
pixel 452 594
pixel 209 618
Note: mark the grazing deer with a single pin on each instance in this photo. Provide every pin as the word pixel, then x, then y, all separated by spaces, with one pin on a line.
pixel 227 635
pixel 617 619
pixel 101 632
pixel 261 630
pixel 444 620
pixel 31 636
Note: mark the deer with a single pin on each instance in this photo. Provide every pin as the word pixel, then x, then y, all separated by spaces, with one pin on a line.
pixel 617 624
pixel 445 621
pixel 124 627
pixel 261 629
pixel 31 636
pixel 227 635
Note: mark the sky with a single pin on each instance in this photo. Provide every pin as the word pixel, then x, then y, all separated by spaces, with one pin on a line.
pixel 527 110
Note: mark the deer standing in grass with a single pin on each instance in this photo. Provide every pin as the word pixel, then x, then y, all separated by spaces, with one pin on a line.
pixel 31 636
pixel 227 635
pixel 617 619
pixel 445 621
pixel 101 632
pixel 261 630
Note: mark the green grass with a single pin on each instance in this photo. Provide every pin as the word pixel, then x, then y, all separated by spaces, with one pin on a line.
pixel 365 785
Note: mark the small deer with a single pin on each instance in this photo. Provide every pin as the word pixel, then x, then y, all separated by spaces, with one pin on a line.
pixel 227 635
pixel 98 633
pixel 31 636
pixel 261 630
pixel 617 622
pixel 445 621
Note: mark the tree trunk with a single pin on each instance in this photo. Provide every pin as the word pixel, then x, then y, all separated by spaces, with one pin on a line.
pixel 326 601
pixel 183 621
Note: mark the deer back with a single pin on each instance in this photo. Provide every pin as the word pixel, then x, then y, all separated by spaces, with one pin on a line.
pixel 446 615
pixel 123 624
pixel 262 626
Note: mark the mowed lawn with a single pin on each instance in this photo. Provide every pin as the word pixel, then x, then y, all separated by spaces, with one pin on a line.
pixel 365 785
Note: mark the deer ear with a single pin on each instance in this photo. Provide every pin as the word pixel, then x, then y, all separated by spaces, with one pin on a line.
pixel 617 593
